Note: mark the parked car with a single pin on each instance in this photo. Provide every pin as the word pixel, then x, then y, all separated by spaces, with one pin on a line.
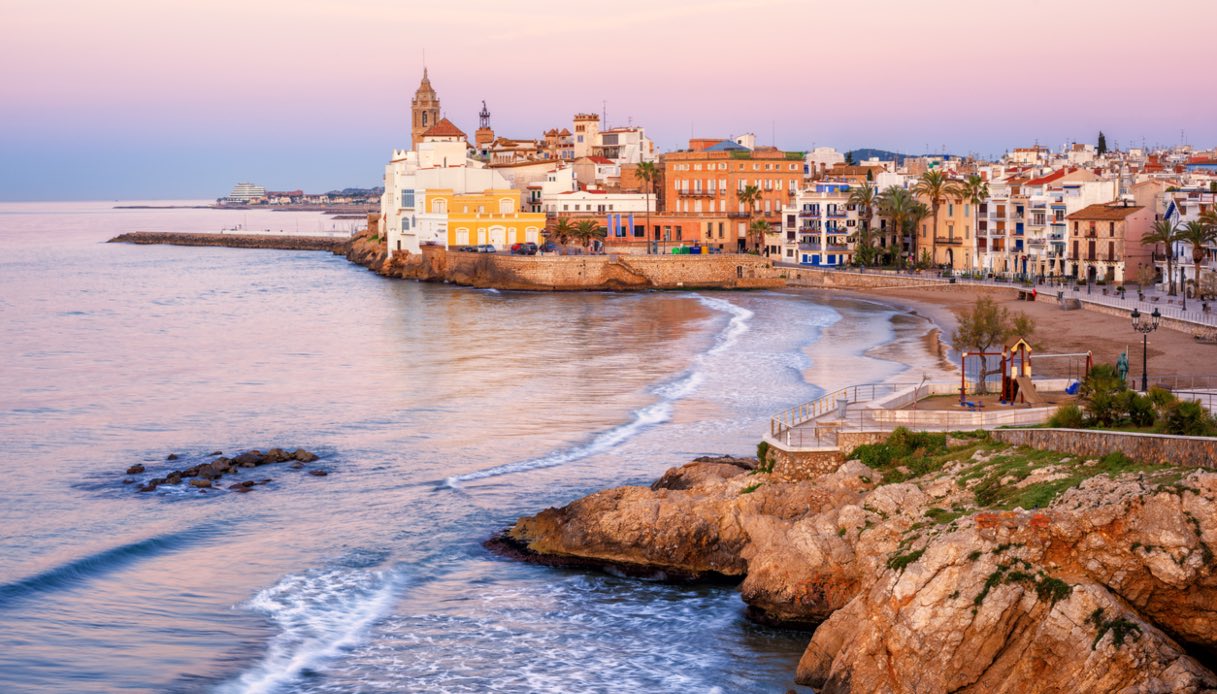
pixel 549 247
pixel 486 248
pixel 528 248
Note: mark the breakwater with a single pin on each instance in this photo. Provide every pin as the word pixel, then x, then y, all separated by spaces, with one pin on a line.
pixel 279 242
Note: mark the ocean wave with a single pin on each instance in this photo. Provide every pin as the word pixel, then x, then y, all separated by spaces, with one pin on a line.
pixel 641 419
pixel 320 614
pixel 77 571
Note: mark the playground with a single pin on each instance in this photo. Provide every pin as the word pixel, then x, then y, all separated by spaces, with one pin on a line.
pixel 1004 379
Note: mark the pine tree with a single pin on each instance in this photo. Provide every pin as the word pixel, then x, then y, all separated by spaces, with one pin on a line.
pixel 849 158
pixel 1102 146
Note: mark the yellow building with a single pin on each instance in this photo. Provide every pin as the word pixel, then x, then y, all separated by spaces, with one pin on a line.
pixel 954 242
pixel 490 217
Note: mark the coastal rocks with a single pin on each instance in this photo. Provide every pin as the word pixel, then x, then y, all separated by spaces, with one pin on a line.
pixel 276 241
pixel 206 475
pixel 934 581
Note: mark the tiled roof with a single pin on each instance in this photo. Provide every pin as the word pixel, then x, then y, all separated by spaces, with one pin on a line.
pixel 444 128
pixel 1105 212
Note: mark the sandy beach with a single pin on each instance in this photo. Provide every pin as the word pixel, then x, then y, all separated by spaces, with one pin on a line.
pixel 1176 359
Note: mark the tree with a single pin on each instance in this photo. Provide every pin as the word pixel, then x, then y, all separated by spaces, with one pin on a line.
pixel 864 197
pixel 1165 233
pixel 895 204
pixel 917 213
pixel 986 326
pixel 975 192
pixel 587 230
pixel 1213 187
pixel 561 232
pixel 759 228
pixel 1199 234
pixel 750 197
pixel 849 158
pixel 935 187
pixel 1102 146
pixel 647 173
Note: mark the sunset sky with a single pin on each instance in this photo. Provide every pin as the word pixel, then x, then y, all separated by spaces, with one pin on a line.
pixel 143 99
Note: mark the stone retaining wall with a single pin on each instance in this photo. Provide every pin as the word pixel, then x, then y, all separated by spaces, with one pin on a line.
pixel 572 273
pixel 795 465
pixel 1194 451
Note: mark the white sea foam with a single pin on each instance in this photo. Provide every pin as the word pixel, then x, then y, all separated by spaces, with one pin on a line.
pixel 641 419
pixel 319 614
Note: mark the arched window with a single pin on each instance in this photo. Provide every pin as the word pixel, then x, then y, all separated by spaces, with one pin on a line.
pixel 505 206
pixel 439 206
pixel 424 117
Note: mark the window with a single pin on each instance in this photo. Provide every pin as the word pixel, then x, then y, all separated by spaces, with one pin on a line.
pixel 950 209
pixel 405 224
pixel 407 198
pixel 439 206
pixel 505 206
pixel 1111 229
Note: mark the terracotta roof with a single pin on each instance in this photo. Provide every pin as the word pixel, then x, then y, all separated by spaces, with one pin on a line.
pixel 1105 212
pixel 443 128
pixel 600 160
pixel 1059 173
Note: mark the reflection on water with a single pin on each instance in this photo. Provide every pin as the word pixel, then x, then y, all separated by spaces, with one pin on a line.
pixel 443 413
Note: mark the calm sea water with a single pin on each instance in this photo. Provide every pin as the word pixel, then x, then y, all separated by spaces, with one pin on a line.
pixel 442 414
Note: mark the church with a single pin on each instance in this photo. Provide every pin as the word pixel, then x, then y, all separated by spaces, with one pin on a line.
pixel 437 194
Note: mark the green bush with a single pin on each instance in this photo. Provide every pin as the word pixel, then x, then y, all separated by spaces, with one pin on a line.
pixel 1068 417
pixel 1161 397
pixel 763 463
pixel 1138 408
pixel 1188 419
pixel 1100 393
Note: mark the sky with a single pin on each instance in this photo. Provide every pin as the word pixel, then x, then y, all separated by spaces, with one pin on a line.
pixel 148 99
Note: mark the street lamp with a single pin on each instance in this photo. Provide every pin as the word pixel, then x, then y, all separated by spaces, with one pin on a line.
pixel 1183 286
pixel 1145 328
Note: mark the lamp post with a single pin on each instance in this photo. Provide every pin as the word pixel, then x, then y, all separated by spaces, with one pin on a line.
pixel 1183 287
pixel 1145 328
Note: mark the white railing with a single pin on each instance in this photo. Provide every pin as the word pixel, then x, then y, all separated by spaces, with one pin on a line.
pixel 803 413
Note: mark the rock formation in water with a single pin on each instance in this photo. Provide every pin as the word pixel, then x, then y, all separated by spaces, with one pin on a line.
pixel 926 574
pixel 203 475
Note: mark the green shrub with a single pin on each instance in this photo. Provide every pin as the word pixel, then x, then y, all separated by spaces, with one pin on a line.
pixel 751 488
pixel 1068 417
pixel 1161 397
pixel 1101 394
pixel 763 463
pixel 1138 408
pixel 1188 419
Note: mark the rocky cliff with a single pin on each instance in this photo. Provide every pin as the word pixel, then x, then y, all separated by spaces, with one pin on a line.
pixel 278 242
pixel 973 566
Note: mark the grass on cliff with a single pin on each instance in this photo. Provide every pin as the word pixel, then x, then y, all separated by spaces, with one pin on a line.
pixel 996 473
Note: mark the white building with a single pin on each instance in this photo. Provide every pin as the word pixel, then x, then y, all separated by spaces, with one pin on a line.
pixel 818 229
pixel 246 192
pixel 440 162
pixel 624 145
pixel 822 159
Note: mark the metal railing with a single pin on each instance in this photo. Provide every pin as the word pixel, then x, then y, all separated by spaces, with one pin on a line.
pixel 803 413
pixel 1206 398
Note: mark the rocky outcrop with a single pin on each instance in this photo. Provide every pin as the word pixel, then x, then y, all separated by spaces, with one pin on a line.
pixel 202 475
pixel 280 242
pixel 565 273
pixel 930 576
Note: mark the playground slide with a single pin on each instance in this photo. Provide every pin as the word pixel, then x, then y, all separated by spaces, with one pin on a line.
pixel 1027 389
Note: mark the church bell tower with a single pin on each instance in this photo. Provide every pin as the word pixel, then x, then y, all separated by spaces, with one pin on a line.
pixel 424 110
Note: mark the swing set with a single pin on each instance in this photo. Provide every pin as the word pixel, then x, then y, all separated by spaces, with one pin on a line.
pixel 1009 373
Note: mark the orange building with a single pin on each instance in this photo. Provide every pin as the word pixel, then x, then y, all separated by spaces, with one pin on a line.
pixel 703 183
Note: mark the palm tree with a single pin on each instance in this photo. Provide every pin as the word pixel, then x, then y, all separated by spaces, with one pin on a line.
pixel 759 228
pixel 864 246
pixel 1167 234
pixel 895 204
pixel 935 187
pixel 560 232
pixel 647 173
pixel 750 196
pixel 1198 234
pixel 587 230
pixel 975 192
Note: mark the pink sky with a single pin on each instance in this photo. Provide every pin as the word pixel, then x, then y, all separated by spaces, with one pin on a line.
pixel 277 74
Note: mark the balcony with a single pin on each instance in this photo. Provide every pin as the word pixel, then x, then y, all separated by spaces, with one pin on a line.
pixel 828 248
pixel 944 241
pixel 805 214
pixel 836 214
pixel 698 193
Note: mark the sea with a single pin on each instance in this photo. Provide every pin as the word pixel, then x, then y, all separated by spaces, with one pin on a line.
pixel 441 414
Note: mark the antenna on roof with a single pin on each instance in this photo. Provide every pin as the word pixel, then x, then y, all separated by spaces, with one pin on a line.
pixel 604 105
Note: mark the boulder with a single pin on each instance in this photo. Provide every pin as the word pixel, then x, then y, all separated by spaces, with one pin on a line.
pixel 318 473
pixel 135 469
pixel 304 456
pixel 200 483
pixel 171 456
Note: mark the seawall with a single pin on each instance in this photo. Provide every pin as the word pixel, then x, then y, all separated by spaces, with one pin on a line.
pixel 280 242
pixel 568 273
